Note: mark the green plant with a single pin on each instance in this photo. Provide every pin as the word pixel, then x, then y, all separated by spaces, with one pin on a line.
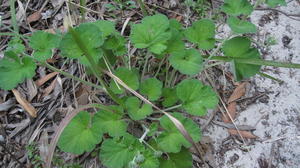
pixel 167 84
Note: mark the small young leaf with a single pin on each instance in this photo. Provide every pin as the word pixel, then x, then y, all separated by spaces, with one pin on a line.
pixel 175 43
pixel 240 26
pixel 274 3
pixel 237 7
pixel 183 159
pixel 151 161
pixel 130 77
pixel 240 47
pixel 196 97
pixel 151 33
pixel 15 45
pixel 153 129
pixel 42 43
pixel 188 61
pixel 171 139
pixel 151 87
pixel 81 135
pixel 14 70
pixel 170 97
pixel 115 43
pixel 111 122
pixel 118 152
pixel 135 110
pixel 93 39
pixel 202 32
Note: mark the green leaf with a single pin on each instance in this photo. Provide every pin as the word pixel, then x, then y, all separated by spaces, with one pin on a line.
pixel 42 43
pixel 130 77
pixel 196 97
pixel 151 161
pixel 153 129
pixel 202 32
pixel 175 43
pixel 174 24
pixel 111 122
pixel 15 45
pixel 237 7
pixel 274 3
pixel 14 70
pixel 170 97
pixel 188 61
pixel 106 27
pixel 240 47
pixel 136 110
pixel 118 152
pixel 91 36
pixel 151 33
pixel 115 43
pixel 183 159
pixel 81 135
pixel 171 139
pixel 240 26
pixel 151 87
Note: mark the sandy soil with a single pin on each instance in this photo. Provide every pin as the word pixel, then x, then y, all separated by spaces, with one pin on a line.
pixel 276 114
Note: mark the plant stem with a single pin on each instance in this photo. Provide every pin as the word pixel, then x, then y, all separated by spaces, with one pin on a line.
pixel 13 15
pixel 82 10
pixel 148 55
pixel 143 8
pixel 270 77
pixel 253 61
pixel 173 107
pixel 95 69
pixel 72 76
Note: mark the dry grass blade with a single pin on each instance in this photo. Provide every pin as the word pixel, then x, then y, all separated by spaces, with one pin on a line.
pixel 176 122
pixel 44 79
pixel 60 129
pixel 24 103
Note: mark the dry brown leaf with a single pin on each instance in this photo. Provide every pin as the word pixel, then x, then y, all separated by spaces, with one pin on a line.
pixel 238 92
pixel 232 112
pixel 50 88
pixel 44 79
pixel 25 104
pixel 34 17
pixel 83 94
pixel 244 134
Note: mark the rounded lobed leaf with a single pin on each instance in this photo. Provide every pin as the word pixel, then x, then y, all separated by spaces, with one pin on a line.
pixel 240 26
pixel 81 134
pixel 239 47
pixel 130 77
pixel 196 97
pixel 202 32
pixel 136 110
pixel 171 140
pixel 14 70
pixel 111 122
pixel 188 62
pixel 106 27
pixel 151 87
pixel 92 37
pixel 183 159
pixel 170 97
pixel 42 43
pixel 151 33
pixel 237 7
pixel 118 152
